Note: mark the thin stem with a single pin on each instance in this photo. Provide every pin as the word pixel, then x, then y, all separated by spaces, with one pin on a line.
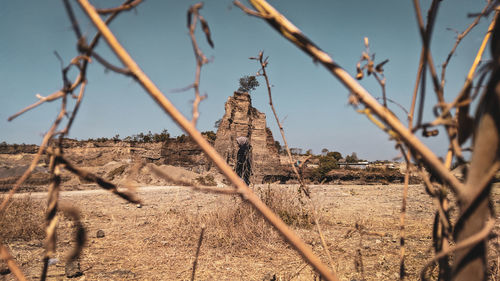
pixel 289 31
pixel 188 127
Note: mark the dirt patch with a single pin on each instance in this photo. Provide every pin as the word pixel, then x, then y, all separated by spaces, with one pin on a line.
pixel 159 240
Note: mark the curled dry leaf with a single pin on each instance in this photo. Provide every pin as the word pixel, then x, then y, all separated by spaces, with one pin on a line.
pixel 206 30
pixel 379 68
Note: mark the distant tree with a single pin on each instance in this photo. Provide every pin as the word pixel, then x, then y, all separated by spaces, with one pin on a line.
pixel 277 144
pixel 296 151
pixel 324 151
pixel 326 164
pixel 217 123
pixel 116 138
pixel 335 154
pixel 248 84
pixel 210 135
pixel 309 152
pixel 353 158
pixel 161 137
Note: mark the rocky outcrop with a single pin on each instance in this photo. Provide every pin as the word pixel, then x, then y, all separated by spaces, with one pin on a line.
pixel 241 119
pixel 184 152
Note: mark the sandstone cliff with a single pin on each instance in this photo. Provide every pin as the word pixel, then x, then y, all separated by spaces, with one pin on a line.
pixel 241 119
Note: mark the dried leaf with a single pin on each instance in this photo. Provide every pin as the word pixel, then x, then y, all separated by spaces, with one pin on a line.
pixel 465 122
pixel 206 29
pixel 379 68
pixel 359 71
pixel 367 43
pixel 369 69
pixel 189 17
pixel 431 133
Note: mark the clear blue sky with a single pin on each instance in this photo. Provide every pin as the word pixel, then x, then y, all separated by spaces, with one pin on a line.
pixel 312 103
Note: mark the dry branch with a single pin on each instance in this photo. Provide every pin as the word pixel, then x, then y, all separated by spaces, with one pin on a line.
pixel 188 127
pixel 123 7
pixel 292 33
pixel 470 241
pixel 197 254
pixel 303 187
pixel 128 196
pixel 207 189
pixel 11 263
pixel 193 16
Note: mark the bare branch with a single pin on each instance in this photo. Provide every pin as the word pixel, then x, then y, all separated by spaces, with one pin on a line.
pixel 472 70
pixel 160 173
pixel 472 240
pixel 457 42
pixel 197 254
pixel 110 66
pixel 11 263
pixel 49 98
pixel 193 11
pixel 123 7
pixel 292 33
pixel 130 197
pixel 48 136
pixel 247 10
pixel 188 127
pixel 263 64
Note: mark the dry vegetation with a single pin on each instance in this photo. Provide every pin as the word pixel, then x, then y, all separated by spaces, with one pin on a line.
pixel 192 238
pixel 21 220
pixel 159 240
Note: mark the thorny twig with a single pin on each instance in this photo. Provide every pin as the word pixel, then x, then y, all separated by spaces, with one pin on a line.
pixel 370 68
pixel 193 16
pixel 476 238
pixel 402 233
pixel 459 38
pixel 79 81
pixel 11 263
pixel 262 72
pixel 427 61
pixel 292 33
pixel 88 176
pixel 81 62
pixel 123 7
pixel 190 129
pixel 470 76
pixel 179 181
pixel 197 254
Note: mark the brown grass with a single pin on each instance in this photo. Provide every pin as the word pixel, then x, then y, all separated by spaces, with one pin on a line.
pixel 238 226
pixel 22 220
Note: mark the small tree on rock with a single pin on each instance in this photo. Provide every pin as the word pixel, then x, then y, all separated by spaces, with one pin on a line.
pixel 248 84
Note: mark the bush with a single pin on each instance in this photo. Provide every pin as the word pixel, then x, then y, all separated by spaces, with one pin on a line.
pixel 237 225
pixel 22 220
pixel 211 136
pixel 207 180
pixel 287 205
pixel 116 172
pixel 326 164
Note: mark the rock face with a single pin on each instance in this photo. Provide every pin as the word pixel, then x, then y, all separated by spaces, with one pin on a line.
pixel 243 120
pixel 184 152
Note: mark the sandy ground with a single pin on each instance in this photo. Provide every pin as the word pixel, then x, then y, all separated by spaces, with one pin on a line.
pixel 153 242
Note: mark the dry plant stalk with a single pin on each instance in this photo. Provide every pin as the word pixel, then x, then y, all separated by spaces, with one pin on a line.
pixel 57 161
pixel 207 189
pixel 293 34
pixel 303 187
pixel 190 129
pixel 11 263
pixel 197 254
pixel 472 200
pixel 193 16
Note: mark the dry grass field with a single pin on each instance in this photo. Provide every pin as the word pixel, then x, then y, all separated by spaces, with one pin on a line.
pixel 159 240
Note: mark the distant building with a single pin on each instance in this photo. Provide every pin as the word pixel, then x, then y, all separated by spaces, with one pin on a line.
pixel 357 165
